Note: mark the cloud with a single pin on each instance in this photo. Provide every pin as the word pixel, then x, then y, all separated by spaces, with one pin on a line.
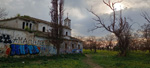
pixel 76 13
pixel 35 8
pixel 81 19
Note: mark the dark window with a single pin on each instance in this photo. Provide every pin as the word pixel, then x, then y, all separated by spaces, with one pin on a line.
pixel 78 46
pixel 23 25
pixel 72 46
pixel 30 26
pixel 27 24
pixel 66 33
pixel 66 46
pixel 43 29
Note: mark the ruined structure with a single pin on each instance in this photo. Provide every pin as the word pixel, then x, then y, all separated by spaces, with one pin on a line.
pixel 25 36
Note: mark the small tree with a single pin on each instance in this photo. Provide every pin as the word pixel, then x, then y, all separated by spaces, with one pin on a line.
pixel 89 41
pixel 92 43
pixel 57 20
pixel 118 26
pixel 109 39
pixel 145 29
pixel 2 13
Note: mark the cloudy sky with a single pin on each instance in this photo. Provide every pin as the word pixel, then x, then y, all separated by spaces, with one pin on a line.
pixel 81 19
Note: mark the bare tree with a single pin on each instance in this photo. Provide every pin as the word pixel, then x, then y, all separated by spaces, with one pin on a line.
pixel 145 29
pixel 93 43
pixel 101 42
pixel 2 13
pixel 146 16
pixel 135 41
pixel 118 26
pixel 109 39
pixel 89 42
pixel 57 20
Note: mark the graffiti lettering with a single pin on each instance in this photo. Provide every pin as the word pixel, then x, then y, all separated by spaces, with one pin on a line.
pixel 25 40
pixel 23 49
pixel 5 38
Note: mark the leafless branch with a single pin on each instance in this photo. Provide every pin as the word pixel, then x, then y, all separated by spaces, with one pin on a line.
pixel 120 28
pixel 146 16
pixel 2 13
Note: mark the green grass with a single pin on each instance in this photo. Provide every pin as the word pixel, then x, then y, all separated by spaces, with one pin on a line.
pixel 109 59
pixel 62 61
pixel 106 59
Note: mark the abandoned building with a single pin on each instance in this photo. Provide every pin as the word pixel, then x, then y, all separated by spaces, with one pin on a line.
pixel 25 35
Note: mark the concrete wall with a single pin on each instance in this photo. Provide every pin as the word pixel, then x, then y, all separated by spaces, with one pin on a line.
pixel 23 43
pixel 68 31
pixel 13 42
pixel 36 26
pixel 41 25
pixel 20 42
pixel 10 23
pixel 18 23
pixel 71 47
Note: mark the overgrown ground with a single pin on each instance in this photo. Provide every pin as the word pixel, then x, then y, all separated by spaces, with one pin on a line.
pixel 103 58
pixel 109 59
pixel 63 61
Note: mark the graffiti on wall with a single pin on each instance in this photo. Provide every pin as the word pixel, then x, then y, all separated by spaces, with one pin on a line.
pixel 10 46
pixel 5 39
pixel 5 51
pixel 16 49
pixel 22 40
pixel 18 46
pixel 23 49
pixel 70 47
pixel 71 51
pixel 47 50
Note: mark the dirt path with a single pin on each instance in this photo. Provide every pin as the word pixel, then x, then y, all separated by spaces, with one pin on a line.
pixel 90 62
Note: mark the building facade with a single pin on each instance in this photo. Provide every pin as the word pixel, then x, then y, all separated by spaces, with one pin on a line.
pixel 25 36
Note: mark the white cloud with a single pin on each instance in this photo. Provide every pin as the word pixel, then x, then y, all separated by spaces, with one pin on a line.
pixel 76 13
pixel 81 19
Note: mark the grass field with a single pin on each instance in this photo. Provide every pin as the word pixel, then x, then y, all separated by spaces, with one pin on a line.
pixel 63 61
pixel 109 59
pixel 105 59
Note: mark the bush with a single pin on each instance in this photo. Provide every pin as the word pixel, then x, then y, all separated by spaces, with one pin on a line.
pixel 28 29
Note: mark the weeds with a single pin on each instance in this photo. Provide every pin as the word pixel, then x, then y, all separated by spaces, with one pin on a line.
pixel 62 61
pixel 109 59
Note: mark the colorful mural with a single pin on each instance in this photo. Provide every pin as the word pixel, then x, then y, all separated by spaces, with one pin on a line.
pixel 8 48
pixel 47 50
pixel 23 49
pixel 16 49
pixel 17 45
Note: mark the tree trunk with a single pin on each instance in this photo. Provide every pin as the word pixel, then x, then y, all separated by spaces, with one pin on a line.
pixel 94 49
pixel 123 45
pixel 91 47
pixel 123 53
pixel 58 49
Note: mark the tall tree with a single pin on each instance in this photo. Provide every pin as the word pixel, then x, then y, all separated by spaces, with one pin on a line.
pixel 2 13
pixel 57 20
pixel 118 26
